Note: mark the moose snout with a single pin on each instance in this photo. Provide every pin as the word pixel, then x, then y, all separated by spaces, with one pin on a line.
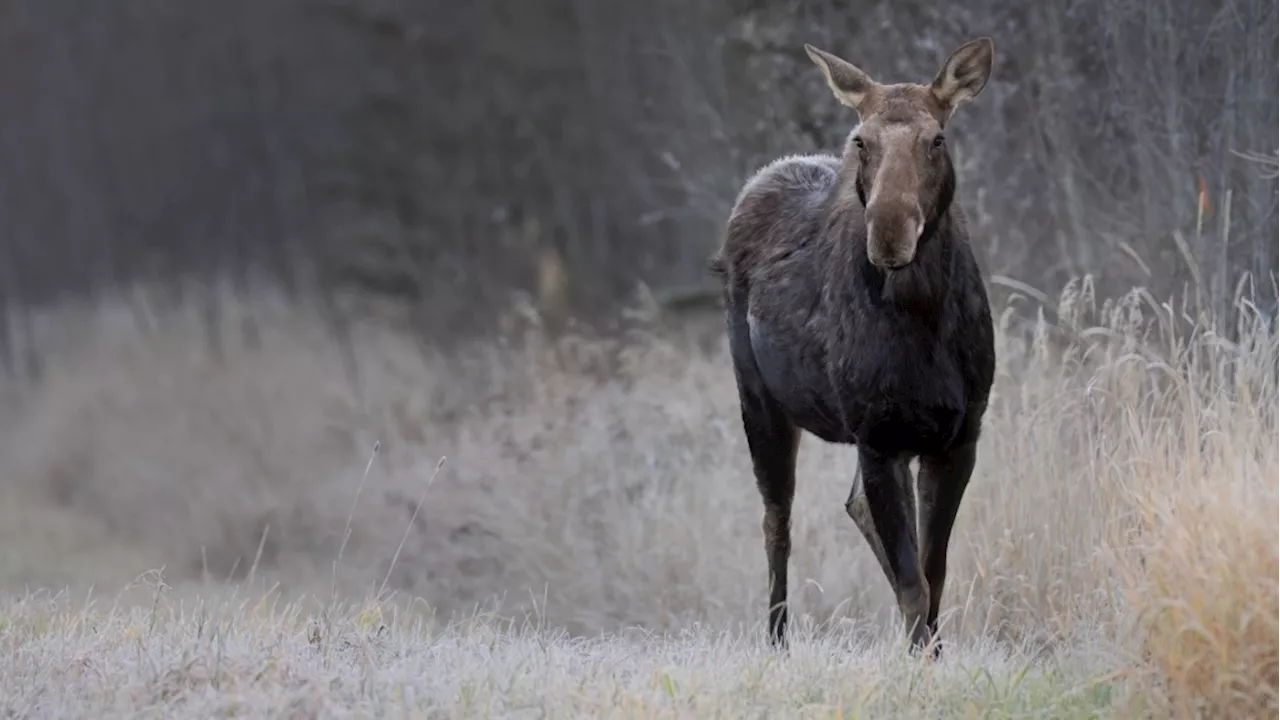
pixel 892 237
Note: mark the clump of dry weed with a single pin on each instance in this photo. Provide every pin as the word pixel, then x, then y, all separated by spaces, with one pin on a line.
pixel 1209 600
pixel 1186 430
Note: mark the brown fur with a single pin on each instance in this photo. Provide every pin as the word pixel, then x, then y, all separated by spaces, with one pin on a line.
pixel 855 311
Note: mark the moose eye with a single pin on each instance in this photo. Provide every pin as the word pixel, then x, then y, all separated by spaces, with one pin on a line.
pixel 938 140
pixel 858 142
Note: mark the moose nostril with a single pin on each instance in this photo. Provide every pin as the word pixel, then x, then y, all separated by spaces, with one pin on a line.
pixel 888 262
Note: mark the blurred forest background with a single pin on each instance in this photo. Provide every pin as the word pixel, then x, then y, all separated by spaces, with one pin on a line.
pixel 443 160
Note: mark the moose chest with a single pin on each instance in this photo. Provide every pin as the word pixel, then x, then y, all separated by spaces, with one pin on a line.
pixel 899 389
pixel 875 382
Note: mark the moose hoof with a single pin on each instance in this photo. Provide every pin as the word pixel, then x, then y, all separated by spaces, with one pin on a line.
pixel 930 647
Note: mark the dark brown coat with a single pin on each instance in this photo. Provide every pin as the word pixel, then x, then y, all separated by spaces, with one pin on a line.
pixel 856 311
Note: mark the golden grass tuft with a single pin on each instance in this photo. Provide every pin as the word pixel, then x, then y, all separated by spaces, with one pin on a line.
pixel 1209 604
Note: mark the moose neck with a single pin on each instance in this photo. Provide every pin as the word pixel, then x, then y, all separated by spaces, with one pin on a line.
pixel 919 289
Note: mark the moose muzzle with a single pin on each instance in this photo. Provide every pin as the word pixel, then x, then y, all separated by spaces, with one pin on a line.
pixel 893 232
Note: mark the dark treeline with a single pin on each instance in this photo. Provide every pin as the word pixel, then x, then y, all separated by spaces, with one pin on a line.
pixel 445 155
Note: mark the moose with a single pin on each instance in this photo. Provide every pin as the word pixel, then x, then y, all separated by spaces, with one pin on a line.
pixel 856 311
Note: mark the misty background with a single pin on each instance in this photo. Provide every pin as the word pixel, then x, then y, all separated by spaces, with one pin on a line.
pixel 440 162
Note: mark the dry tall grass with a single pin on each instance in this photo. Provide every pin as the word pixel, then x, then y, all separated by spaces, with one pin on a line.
pixel 1123 513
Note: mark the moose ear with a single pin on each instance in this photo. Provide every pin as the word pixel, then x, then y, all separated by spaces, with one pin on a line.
pixel 965 73
pixel 850 85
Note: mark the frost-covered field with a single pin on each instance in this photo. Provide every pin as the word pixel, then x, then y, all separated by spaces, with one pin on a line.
pixel 255 660
pixel 591 544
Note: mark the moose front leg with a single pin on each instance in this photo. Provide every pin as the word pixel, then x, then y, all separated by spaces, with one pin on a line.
pixel 882 505
pixel 943 480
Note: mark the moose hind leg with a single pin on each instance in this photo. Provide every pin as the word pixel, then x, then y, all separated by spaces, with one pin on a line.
pixel 883 506
pixel 858 509
pixel 773 440
pixel 943 480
